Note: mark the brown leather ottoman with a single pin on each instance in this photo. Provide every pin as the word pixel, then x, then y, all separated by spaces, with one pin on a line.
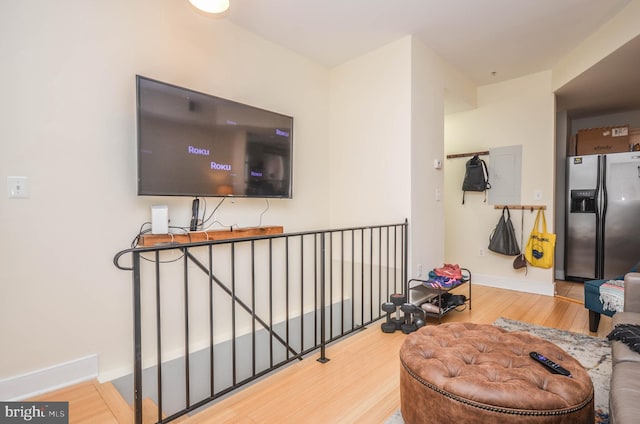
pixel 474 373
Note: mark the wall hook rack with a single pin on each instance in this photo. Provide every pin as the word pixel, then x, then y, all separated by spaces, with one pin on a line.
pixel 523 207
pixel 464 155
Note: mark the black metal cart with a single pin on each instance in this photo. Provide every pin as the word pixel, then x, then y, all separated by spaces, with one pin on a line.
pixel 427 291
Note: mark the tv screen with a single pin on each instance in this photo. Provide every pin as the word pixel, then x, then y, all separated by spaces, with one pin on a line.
pixel 196 144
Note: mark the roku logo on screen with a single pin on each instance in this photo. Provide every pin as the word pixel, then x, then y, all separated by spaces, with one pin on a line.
pixel 220 166
pixel 198 151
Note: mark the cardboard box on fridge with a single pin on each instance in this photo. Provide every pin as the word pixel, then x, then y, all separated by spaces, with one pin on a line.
pixel 604 140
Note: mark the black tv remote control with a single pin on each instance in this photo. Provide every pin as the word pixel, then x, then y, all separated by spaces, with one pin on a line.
pixel 549 364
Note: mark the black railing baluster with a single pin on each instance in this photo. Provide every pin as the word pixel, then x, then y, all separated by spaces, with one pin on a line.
pixel 387 265
pixel 323 357
pixel 212 389
pixel 362 276
pixel 405 254
pixel 301 293
pixel 271 303
pixel 137 340
pixel 234 359
pixel 315 289
pixel 281 311
pixel 187 352
pixel 370 274
pixel 379 268
pixel 286 291
pixel 330 256
pixel 353 279
pixel 253 308
pixel 395 258
pixel 158 335
pixel 342 311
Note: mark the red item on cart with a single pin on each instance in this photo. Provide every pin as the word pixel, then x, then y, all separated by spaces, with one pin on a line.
pixel 449 270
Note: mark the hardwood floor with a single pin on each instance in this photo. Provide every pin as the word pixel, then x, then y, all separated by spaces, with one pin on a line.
pixel 360 384
pixel 91 402
pixel 570 290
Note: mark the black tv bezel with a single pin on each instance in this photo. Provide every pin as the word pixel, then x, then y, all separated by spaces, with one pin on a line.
pixel 228 101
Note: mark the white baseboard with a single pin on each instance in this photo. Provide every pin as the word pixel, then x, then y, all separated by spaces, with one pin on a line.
pixel 528 286
pixel 45 380
pixel 115 374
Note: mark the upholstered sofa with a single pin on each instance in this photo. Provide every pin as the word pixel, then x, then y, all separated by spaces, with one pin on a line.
pixel 624 393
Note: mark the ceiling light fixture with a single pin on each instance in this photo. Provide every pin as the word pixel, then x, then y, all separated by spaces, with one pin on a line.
pixel 211 6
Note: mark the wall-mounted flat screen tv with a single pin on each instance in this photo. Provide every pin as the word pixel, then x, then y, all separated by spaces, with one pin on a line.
pixel 198 145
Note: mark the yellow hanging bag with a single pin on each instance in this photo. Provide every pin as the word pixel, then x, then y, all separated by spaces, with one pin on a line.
pixel 541 245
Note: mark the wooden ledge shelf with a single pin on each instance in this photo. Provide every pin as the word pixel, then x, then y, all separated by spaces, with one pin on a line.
pixel 147 240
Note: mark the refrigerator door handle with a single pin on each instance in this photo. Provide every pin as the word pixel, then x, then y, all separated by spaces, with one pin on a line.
pixel 604 192
pixel 604 216
pixel 600 211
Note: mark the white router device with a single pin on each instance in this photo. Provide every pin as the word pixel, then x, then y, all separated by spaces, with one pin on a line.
pixel 159 219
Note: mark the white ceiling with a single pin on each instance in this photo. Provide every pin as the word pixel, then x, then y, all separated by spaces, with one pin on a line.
pixel 511 37
pixel 478 37
pixel 611 85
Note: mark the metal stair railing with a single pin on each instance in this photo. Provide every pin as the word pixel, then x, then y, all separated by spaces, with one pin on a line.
pixel 251 305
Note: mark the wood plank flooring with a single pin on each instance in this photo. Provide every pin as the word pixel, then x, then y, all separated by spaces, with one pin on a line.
pixel 91 403
pixel 570 290
pixel 360 383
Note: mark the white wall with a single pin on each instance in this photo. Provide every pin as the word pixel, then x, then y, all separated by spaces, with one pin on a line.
pixel 68 108
pixel 427 233
pixel 387 127
pixel 562 132
pixel 515 112
pixel 370 145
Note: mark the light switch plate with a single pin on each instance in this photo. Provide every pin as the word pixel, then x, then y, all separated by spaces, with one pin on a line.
pixel 18 187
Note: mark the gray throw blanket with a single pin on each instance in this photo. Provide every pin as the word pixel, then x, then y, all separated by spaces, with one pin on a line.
pixel 628 334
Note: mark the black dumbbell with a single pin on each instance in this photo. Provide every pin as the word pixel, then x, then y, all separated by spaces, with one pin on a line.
pixel 388 307
pixel 390 325
pixel 398 299
pixel 409 327
pixel 410 310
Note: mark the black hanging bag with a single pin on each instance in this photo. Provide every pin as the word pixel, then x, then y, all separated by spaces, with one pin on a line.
pixel 476 176
pixel 503 238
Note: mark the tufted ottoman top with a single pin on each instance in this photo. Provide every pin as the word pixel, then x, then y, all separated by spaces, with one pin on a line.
pixel 488 368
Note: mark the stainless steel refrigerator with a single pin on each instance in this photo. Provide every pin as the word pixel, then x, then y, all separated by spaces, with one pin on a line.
pixel 603 215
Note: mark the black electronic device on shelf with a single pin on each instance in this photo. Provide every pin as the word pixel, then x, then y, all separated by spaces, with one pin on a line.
pixel 193 226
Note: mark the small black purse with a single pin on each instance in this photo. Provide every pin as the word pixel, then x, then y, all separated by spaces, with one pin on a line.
pixel 503 238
